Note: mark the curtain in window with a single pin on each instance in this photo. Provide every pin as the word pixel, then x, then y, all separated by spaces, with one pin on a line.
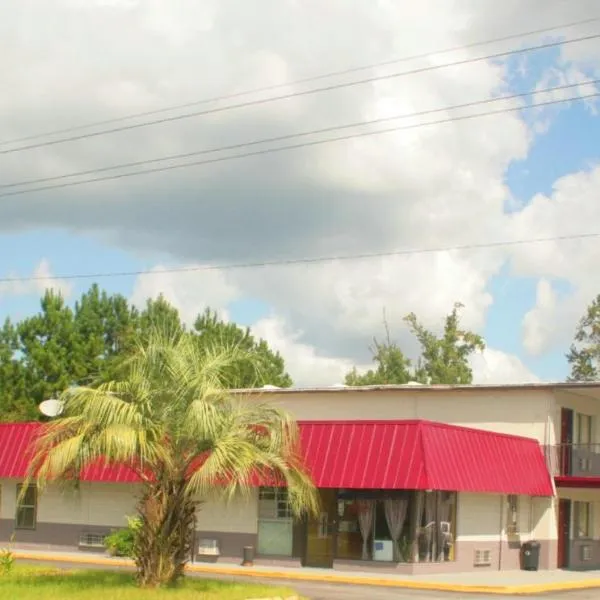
pixel 366 511
pixel 428 539
pixel 395 515
pixel 418 516
pixel 444 527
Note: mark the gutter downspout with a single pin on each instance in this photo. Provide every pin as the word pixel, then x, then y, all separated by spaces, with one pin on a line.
pixel 531 504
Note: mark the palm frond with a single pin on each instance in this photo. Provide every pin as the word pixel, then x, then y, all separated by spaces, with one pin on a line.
pixel 250 442
pixel 171 407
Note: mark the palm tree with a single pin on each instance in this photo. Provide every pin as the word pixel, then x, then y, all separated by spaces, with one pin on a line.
pixel 171 418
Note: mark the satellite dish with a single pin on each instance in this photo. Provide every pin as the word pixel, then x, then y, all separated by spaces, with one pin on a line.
pixel 51 408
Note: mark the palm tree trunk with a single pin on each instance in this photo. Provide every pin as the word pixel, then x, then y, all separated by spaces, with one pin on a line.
pixel 164 541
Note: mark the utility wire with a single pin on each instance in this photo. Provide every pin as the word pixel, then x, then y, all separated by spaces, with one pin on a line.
pixel 260 152
pixel 314 78
pixel 281 138
pixel 291 95
pixel 301 261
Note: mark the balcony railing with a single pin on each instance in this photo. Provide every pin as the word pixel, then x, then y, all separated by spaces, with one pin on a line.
pixel 573 460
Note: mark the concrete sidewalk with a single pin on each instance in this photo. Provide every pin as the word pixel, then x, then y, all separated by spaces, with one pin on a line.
pixel 484 582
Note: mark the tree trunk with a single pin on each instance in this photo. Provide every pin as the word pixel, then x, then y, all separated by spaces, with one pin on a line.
pixel 164 541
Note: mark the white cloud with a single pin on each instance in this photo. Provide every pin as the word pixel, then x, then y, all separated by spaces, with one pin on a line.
pixel 307 364
pixel 304 363
pixel 568 268
pixel 433 186
pixel 191 292
pixel 496 367
pixel 37 282
pixel 308 367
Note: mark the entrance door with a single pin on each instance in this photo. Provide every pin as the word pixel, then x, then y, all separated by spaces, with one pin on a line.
pixel 566 440
pixel 321 533
pixel 564 527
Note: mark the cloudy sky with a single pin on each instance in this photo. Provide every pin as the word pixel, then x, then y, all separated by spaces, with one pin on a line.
pixel 516 175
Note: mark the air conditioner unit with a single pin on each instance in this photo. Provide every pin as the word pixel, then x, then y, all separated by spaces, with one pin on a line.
pixel 383 550
pixel 92 540
pixel 208 550
pixel 482 558
pixel 586 553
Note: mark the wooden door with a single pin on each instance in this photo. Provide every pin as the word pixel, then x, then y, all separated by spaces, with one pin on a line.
pixel 566 440
pixel 564 529
pixel 321 533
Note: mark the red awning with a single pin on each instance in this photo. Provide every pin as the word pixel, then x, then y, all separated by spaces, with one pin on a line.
pixel 422 455
pixel 16 449
pixel 416 455
pixel 567 481
pixel 16 441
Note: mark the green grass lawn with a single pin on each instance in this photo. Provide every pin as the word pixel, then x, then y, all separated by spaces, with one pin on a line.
pixel 28 583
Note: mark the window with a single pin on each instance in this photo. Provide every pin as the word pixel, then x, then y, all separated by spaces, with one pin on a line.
pixel 273 503
pixel 436 526
pixel 512 521
pixel 26 507
pixel 275 523
pixel 584 429
pixel 582 520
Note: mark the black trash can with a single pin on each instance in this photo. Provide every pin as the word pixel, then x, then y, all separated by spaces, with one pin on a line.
pixel 530 556
pixel 248 556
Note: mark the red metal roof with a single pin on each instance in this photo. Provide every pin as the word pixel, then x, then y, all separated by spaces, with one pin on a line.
pixel 16 441
pixel 370 455
pixel 422 455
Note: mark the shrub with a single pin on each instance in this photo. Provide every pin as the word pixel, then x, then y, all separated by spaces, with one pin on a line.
pixel 122 541
pixel 7 558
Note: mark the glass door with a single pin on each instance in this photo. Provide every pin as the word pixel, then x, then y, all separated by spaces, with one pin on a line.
pixel 321 533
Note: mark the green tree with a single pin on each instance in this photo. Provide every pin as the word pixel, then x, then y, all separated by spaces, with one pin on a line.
pixel 50 349
pixel 62 346
pixel 172 420
pixel 392 366
pixel 266 367
pixel 106 325
pixel 584 354
pixel 443 359
pixel 159 312
pixel 14 404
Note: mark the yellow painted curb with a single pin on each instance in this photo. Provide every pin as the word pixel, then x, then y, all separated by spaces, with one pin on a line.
pixel 564 586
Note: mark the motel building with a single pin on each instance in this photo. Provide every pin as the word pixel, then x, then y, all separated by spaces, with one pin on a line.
pixel 415 479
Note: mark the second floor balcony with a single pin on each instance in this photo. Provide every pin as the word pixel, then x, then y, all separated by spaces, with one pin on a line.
pixel 573 460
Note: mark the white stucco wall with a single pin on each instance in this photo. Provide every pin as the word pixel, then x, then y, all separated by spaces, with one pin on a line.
pixel 105 504
pixel 483 518
pixel 240 515
pixel 523 412
pixel 101 504
pixel 544 518
pixel 478 517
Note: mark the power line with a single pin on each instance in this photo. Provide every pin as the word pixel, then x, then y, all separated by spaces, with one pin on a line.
pixel 291 95
pixel 281 138
pixel 340 138
pixel 301 261
pixel 303 80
